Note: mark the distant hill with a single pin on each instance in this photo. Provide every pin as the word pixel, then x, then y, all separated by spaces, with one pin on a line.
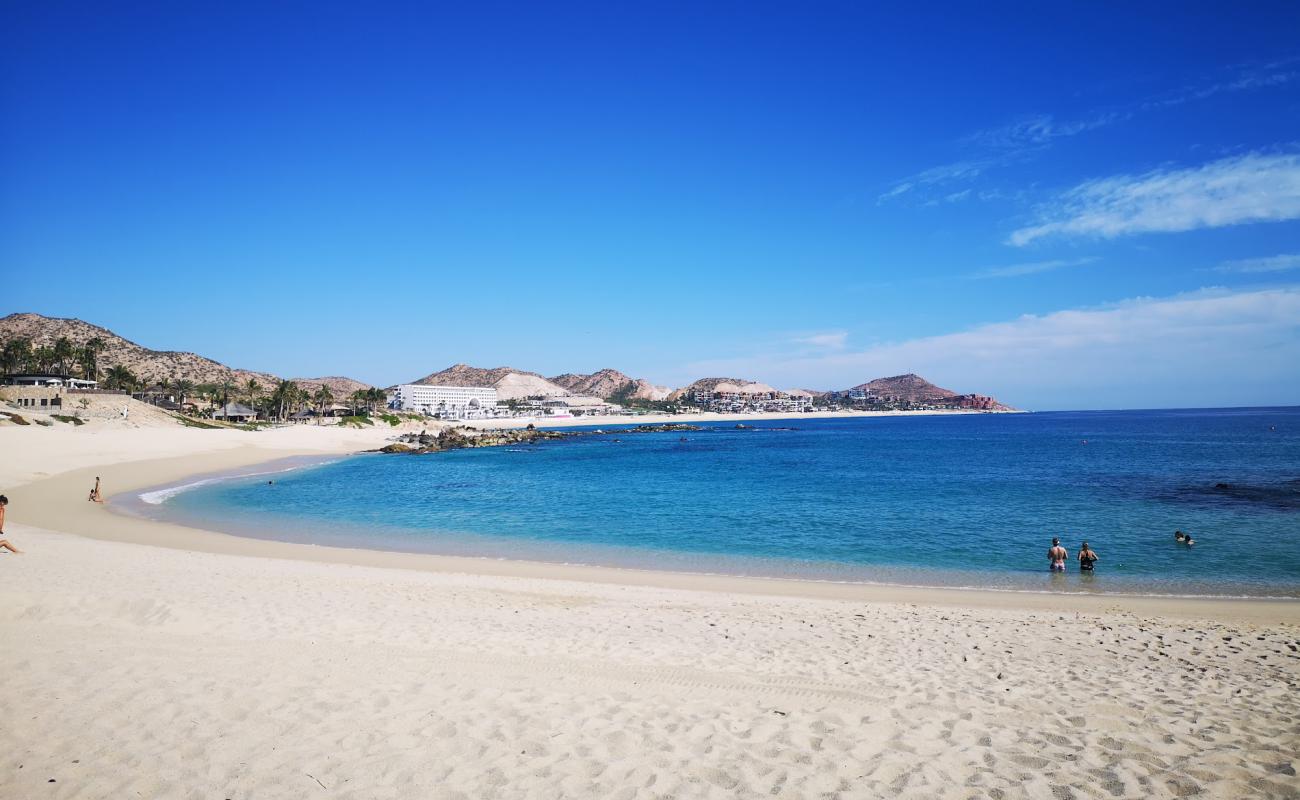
pixel 915 389
pixel 610 384
pixel 705 385
pixel 909 387
pixel 341 387
pixel 509 382
pixel 149 365
pixel 605 383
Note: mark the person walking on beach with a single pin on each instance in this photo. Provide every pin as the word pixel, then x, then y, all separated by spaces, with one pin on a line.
pixel 4 543
pixel 1087 557
pixel 1057 556
pixel 95 496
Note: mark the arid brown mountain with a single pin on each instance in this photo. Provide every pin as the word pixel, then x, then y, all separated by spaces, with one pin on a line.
pixel 465 375
pixel 605 383
pixel 909 387
pixel 341 387
pixel 610 384
pixel 510 383
pixel 149 365
pixel 705 385
pixel 915 389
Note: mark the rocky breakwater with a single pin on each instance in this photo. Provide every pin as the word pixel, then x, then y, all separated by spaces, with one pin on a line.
pixel 459 438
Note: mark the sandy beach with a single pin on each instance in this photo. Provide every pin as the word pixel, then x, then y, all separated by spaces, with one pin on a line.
pixel 146 659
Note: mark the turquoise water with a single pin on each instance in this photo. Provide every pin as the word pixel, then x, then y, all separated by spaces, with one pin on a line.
pixel 939 500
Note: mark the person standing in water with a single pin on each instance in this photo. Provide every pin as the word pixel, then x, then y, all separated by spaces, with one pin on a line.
pixel 1056 556
pixel 1087 557
pixel 4 543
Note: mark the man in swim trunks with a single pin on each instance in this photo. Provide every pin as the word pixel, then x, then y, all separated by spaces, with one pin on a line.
pixel 1057 556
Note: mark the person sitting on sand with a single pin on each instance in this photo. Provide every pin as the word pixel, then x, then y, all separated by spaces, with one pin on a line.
pixel 95 496
pixel 1087 557
pixel 4 543
pixel 1056 556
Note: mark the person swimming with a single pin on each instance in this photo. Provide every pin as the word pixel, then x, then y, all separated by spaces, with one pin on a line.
pixel 1179 536
pixel 1056 556
pixel 1087 557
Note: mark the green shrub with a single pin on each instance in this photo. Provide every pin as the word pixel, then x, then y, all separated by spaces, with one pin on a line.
pixel 68 419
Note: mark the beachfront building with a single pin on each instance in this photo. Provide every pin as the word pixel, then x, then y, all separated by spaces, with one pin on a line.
pixel 48 380
pixel 577 406
pixel 445 402
pixel 730 398
pixel 234 412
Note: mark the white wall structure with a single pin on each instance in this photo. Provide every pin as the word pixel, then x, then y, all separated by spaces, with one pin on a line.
pixel 447 402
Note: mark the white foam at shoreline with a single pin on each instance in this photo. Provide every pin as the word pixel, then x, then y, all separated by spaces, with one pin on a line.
pixel 159 496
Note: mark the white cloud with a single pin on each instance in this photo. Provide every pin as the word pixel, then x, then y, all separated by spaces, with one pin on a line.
pixel 1278 263
pixel 936 176
pixel 1033 267
pixel 1207 348
pixel 1232 191
pixel 1039 129
pixel 834 340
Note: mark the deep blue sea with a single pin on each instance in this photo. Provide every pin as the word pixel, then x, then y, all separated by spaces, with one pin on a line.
pixel 968 500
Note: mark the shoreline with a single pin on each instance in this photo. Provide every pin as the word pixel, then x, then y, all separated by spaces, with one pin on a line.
pixel 143 658
pixel 56 503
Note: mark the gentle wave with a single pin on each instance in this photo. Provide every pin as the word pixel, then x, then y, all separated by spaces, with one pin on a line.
pixel 157 497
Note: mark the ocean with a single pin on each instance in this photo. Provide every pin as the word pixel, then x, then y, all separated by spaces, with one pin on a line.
pixel 958 500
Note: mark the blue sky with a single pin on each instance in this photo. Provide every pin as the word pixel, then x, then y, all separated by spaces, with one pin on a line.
pixel 1066 205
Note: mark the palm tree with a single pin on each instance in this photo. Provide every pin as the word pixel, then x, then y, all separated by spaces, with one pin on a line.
pixel 252 390
pixel 209 392
pixel 376 396
pixel 356 400
pixel 119 377
pixel 226 386
pixel 90 357
pixel 16 355
pixel 283 397
pixel 62 353
pixel 42 359
pixel 323 398
pixel 182 389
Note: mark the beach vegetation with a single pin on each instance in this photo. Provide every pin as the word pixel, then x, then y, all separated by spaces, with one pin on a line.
pixel 16 419
pixel 71 420
pixel 391 419
pixel 356 421
pixel 191 422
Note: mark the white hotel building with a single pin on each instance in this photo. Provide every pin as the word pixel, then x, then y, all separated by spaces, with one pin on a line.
pixel 447 402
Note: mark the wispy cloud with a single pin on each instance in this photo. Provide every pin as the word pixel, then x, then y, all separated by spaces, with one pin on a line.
pixel 1231 191
pixel 1039 129
pixel 1278 263
pixel 1206 348
pixel 1022 139
pixel 833 340
pixel 942 175
pixel 1248 77
pixel 1032 268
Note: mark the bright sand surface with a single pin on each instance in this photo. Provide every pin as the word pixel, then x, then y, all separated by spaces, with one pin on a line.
pixel 146 659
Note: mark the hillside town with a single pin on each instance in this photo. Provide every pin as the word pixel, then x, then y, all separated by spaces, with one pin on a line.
pixel 64 367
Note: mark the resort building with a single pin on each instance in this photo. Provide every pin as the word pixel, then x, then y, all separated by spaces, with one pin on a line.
pixel 48 379
pixel 445 402
pixel 729 398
